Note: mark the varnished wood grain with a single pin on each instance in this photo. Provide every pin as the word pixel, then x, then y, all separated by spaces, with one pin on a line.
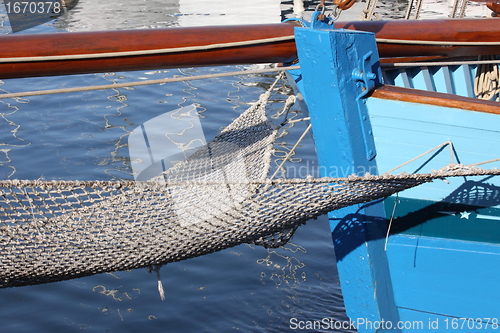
pixel 435 98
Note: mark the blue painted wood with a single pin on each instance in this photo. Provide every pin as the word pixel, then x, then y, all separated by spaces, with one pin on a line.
pixel 389 76
pixel 457 80
pixel 425 113
pixel 429 82
pixel 466 214
pixel 436 278
pixel 407 81
pixel 431 322
pixel 404 130
pixel 447 277
pixel 419 281
pixel 448 80
pixel 469 73
pixel 418 78
pixel 343 136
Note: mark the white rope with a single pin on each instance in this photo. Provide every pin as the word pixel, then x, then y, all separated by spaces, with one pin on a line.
pixel 423 154
pixel 486 82
pixel 290 101
pixel 156 269
pixel 292 151
pixel 369 11
pixel 298 120
pixel 144 83
pixel 418 7
pixel 434 42
pixel 485 162
pixel 408 9
pixel 439 63
pixel 463 6
pixel 145 52
pixel 390 221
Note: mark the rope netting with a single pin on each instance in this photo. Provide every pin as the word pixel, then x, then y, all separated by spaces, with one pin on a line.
pixel 217 198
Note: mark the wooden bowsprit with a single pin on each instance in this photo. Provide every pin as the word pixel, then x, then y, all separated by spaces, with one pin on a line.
pixel 105 51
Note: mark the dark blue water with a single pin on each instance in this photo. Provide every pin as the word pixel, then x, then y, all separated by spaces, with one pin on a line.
pixel 84 136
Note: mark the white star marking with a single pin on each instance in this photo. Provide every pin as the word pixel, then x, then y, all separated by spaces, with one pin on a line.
pixel 464 215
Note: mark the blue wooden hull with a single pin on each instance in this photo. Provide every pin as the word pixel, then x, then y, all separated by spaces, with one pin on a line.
pixel 444 248
pixel 425 260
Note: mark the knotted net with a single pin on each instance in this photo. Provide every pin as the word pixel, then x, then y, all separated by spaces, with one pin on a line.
pixel 217 198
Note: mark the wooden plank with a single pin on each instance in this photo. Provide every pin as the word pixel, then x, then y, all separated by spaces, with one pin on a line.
pixel 467 30
pixel 494 6
pixel 404 130
pixel 344 141
pixel 429 274
pixel 436 98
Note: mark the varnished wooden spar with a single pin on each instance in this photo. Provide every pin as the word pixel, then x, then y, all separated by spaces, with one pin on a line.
pixel 57 44
pixel 494 7
pixel 39 45
pixel 481 31
pixel 435 98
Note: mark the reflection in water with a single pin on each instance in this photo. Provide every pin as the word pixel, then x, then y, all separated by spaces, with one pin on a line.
pixel 123 170
pixel 157 144
pixel 95 15
pixel 10 138
pixel 286 269
pixel 117 294
pixel 210 12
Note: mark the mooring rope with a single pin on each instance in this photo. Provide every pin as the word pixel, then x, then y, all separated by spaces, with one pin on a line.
pixel 439 63
pixel 435 42
pixel 369 11
pixel 292 151
pixel 219 75
pixel 144 83
pixel 418 7
pixel 487 80
pixel 424 154
pixel 459 3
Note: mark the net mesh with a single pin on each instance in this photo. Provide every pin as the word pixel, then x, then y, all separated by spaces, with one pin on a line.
pixel 217 198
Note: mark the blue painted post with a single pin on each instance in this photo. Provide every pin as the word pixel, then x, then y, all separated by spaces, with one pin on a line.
pixel 338 69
